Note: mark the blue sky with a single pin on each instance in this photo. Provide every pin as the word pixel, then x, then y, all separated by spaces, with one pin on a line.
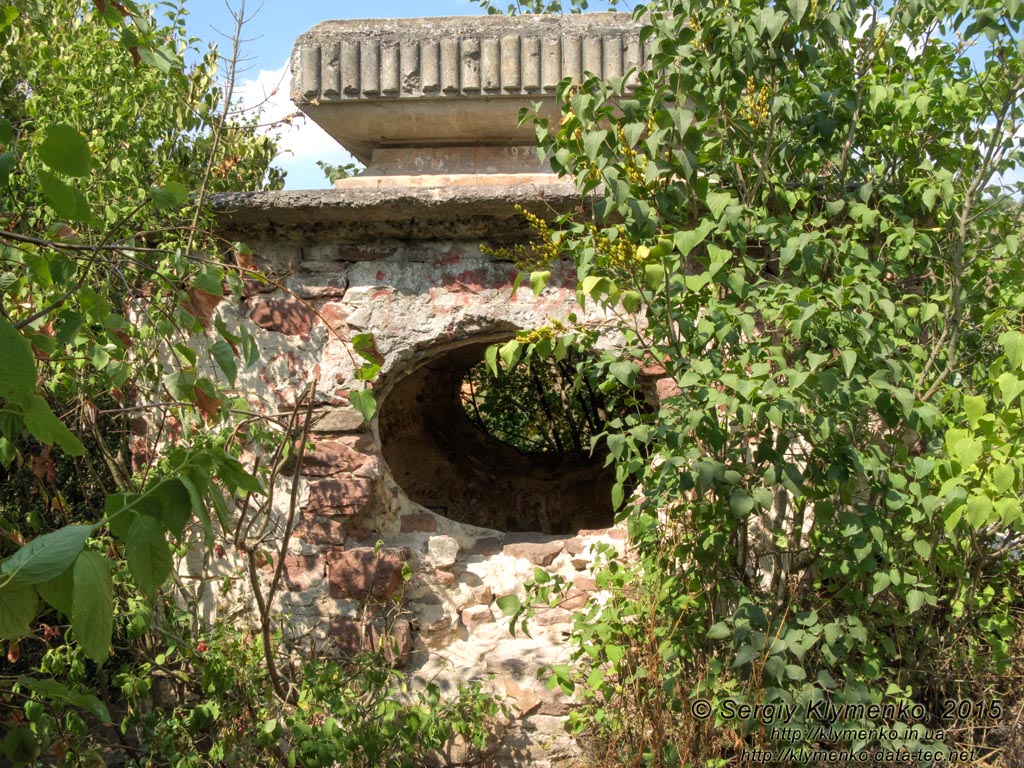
pixel 270 35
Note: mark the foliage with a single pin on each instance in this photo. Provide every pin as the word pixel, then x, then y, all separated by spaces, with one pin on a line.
pixel 124 414
pixel 336 172
pixel 541 392
pixel 346 714
pixel 796 212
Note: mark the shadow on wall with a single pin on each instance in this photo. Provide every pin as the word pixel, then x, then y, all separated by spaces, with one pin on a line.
pixel 445 462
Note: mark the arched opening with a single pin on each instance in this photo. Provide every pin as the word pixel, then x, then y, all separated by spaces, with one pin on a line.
pixel 451 462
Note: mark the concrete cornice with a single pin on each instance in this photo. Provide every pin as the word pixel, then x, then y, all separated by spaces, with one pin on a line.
pixel 359 215
pixel 450 82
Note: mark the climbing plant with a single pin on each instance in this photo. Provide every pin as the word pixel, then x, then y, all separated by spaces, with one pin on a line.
pixel 809 214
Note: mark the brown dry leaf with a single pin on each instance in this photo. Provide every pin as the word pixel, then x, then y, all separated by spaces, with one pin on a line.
pixel 201 304
pixel 208 405
pixel 44 469
pixel 226 165
pixel 243 259
pixel 67 233
pixel 88 414
pixel 13 652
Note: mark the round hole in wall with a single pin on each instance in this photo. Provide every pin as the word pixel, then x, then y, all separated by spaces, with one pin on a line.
pixel 456 462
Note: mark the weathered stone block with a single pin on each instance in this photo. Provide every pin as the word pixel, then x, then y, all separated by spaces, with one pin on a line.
pixel 476 615
pixel 318 529
pixel 540 553
pixel 485 545
pixel 443 551
pixel 667 388
pixel 575 545
pixel 551 617
pixel 288 316
pixel 340 496
pixel 331 457
pixel 340 418
pixel 361 573
pixel 301 571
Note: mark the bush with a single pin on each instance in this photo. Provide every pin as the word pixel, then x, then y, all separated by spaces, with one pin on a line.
pixel 798 213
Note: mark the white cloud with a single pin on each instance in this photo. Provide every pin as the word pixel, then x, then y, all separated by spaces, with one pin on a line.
pixel 301 141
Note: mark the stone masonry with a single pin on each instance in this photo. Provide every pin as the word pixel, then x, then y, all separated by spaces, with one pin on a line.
pixel 431 105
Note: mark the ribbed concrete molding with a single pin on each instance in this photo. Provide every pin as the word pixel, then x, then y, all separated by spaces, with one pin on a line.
pixel 451 82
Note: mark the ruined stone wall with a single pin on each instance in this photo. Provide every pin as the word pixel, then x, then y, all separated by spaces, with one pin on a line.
pixel 413 526
pixel 433 301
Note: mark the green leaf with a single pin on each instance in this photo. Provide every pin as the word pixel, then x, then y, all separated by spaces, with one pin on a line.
pixel 975 407
pixel 979 511
pixel 48 556
pixel 198 506
pixel 1003 477
pixel 686 240
pixel 509 604
pixel 539 281
pixel 67 201
pixel 632 301
pixel 20 746
pixel 172 195
pixel 717 203
pixel 17 363
pixel 148 555
pixel 592 142
pixel 7 16
pixel 590 284
pixel 797 9
pixel 795 672
pixel 364 402
pixel 510 352
pixel 52 689
pixel 962 445
pixel 92 605
pixel 235 477
pixel 849 360
pixel 654 276
pixel 47 428
pixel 66 151
pixel 57 592
pixel 491 358
pixel 1010 387
pixel 741 503
pixel 1012 343
pixel 18 604
pixel 624 371
pixel 915 599
pixel 719 631
pixel 175 505
pixel 162 58
pixel 225 357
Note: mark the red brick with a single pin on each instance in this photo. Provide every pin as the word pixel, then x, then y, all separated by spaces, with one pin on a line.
pixel 331 457
pixel 288 316
pixel 340 496
pixel 537 552
pixel 667 388
pixel 361 573
pixel 320 530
